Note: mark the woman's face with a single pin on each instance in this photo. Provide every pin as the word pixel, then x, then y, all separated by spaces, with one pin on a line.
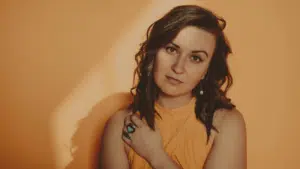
pixel 181 64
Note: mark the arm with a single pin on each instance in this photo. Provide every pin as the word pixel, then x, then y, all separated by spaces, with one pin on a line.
pixel 229 148
pixel 112 151
pixel 147 143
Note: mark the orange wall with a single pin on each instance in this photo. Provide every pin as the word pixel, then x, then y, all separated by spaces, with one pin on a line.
pixel 59 59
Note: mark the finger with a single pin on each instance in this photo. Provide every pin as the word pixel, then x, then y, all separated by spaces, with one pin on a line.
pixel 130 126
pixel 126 133
pixel 126 138
pixel 125 130
pixel 136 121
pixel 127 120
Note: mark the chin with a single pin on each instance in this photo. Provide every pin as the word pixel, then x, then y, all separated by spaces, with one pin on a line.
pixel 171 92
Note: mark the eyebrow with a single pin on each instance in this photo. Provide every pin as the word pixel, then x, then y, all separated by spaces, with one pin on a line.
pixel 194 51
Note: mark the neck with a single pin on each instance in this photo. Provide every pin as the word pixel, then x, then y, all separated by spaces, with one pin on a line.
pixel 172 102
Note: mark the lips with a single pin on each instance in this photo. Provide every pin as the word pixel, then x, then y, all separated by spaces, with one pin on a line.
pixel 173 80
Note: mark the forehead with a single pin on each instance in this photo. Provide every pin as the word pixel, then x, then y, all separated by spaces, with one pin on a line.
pixel 192 38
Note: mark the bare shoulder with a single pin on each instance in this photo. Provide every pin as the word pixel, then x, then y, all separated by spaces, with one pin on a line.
pixel 117 118
pixel 112 142
pixel 225 119
pixel 114 125
pixel 229 150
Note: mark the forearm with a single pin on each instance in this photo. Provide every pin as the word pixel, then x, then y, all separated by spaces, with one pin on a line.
pixel 164 161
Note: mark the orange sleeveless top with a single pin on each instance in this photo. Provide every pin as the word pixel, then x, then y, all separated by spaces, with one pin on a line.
pixel 184 138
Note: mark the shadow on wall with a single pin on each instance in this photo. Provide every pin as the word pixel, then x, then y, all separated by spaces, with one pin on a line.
pixel 47 48
pixel 87 138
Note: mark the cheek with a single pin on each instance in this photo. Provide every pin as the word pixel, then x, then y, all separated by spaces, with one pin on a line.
pixel 196 75
pixel 162 63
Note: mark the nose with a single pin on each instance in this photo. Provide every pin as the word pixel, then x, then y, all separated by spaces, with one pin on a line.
pixel 179 66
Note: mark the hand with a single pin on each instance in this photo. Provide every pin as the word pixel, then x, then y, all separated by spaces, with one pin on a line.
pixel 141 138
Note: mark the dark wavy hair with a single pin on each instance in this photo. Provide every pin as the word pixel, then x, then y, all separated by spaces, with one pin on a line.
pixel 216 82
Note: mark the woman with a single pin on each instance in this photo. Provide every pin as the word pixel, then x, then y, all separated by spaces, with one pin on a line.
pixel 180 116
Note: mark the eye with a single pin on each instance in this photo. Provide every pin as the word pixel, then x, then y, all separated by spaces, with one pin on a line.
pixel 171 50
pixel 196 58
